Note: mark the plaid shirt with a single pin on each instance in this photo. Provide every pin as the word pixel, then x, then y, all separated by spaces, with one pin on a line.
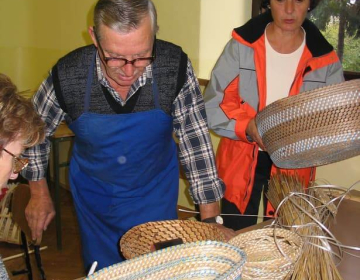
pixel 190 126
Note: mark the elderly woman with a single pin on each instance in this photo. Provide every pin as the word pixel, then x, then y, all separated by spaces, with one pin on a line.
pixel 274 55
pixel 20 127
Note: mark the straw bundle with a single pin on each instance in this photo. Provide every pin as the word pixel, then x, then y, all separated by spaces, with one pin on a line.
pixel 139 240
pixel 313 128
pixel 271 253
pixel 305 213
pixel 9 230
pixel 197 260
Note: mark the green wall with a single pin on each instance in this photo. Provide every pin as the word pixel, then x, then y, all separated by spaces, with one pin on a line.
pixel 35 33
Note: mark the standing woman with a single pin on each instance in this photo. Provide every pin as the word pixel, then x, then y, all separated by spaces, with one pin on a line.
pixel 275 55
pixel 20 127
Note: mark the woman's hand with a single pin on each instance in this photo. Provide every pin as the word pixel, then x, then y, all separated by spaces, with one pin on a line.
pixel 252 131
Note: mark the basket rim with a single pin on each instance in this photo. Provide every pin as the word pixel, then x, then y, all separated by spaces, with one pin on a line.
pixel 163 253
pixel 132 236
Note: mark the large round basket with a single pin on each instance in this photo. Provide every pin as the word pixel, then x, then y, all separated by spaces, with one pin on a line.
pixel 139 240
pixel 197 260
pixel 313 128
pixel 271 253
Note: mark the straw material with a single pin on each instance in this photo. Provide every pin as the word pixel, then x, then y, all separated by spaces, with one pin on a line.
pixel 197 260
pixel 313 128
pixel 9 230
pixel 271 253
pixel 139 240
pixel 307 211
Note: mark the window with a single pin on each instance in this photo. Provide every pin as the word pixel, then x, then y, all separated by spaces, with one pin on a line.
pixel 339 22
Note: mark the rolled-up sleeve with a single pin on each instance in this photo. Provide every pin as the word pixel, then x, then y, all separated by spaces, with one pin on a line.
pixel 47 106
pixel 195 149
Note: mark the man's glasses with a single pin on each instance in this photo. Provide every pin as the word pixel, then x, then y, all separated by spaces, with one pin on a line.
pixel 18 163
pixel 117 62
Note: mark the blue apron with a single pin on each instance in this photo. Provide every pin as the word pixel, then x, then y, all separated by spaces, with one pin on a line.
pixel 123 172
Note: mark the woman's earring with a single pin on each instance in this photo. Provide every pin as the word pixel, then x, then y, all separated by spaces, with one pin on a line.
pixel 268 6
pixel 309 9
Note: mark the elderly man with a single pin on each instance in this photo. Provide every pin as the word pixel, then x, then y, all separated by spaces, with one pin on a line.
pixel 20 127
pixel 123 97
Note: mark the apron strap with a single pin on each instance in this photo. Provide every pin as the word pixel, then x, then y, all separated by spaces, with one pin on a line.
pixel 88 84
pixel 155 89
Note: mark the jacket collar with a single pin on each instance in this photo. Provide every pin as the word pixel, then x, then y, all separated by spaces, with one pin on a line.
pixel 254 29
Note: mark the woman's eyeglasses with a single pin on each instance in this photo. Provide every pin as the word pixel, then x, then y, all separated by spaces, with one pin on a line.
pixel 18 163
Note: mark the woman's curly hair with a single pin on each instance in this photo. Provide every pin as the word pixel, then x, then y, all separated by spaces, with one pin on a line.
pixel 18 119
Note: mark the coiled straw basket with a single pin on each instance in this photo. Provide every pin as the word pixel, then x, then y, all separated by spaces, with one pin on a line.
pixel 197 260
pixel 271 253
pixel 138 240
pixel 313 128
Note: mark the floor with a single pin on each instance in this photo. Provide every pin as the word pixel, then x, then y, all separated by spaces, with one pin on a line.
pixel 58 265
pixel 64 264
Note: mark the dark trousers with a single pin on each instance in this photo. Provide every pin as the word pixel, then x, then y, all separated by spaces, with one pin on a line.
pixel 262 176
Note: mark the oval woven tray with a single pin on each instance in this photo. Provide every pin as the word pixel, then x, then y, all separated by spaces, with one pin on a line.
pixel 138 240
pixel 197 260
pixel 264 259
pixel 313 128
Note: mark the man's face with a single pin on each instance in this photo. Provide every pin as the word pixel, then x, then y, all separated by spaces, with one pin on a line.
pixel 7 162
pixel 138 43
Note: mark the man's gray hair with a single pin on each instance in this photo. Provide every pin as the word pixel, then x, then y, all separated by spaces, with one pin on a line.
pixel 124 15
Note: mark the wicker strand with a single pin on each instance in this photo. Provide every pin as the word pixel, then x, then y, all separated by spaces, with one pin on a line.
pixel 308 213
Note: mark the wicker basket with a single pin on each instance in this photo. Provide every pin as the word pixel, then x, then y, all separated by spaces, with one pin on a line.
pixel 196 260
pixel 139 240
pixel 264 259
pixel 313 128
pixel 9 230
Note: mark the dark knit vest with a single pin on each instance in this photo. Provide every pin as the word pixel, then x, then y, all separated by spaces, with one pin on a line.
pixel 70 75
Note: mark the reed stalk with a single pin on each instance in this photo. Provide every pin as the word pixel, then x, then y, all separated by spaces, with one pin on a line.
pixel 305 212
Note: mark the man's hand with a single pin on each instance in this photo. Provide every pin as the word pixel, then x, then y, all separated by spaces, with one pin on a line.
pixel 228 232
pixel 40 209
pixel 212 210
pixel 252 131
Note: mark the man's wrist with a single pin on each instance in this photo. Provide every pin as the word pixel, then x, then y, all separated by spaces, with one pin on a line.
pixel 214 220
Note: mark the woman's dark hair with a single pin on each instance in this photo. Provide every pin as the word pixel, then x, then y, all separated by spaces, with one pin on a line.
pixel 313 4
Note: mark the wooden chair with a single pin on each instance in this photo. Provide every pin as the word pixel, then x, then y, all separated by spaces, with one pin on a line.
pixel 19 201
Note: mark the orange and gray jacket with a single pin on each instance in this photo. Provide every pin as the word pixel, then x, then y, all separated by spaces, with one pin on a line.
pixel 237 91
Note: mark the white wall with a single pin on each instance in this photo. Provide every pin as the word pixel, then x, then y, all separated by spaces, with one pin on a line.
pixel 217 20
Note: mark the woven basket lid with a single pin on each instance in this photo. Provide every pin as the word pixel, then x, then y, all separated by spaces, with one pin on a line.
pixel 139 240
pixel 313 128
pixel 271 252
pixel 196 260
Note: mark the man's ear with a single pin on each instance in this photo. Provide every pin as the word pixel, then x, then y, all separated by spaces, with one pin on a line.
pixel 92 35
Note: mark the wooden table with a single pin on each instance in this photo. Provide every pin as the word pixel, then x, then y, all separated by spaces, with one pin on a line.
pixel 346 228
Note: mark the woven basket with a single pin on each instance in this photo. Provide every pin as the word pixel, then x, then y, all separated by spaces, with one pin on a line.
pixel 264 259
pixel 313 128
pixel 196 260
pixel 9 230
pixel 138 240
